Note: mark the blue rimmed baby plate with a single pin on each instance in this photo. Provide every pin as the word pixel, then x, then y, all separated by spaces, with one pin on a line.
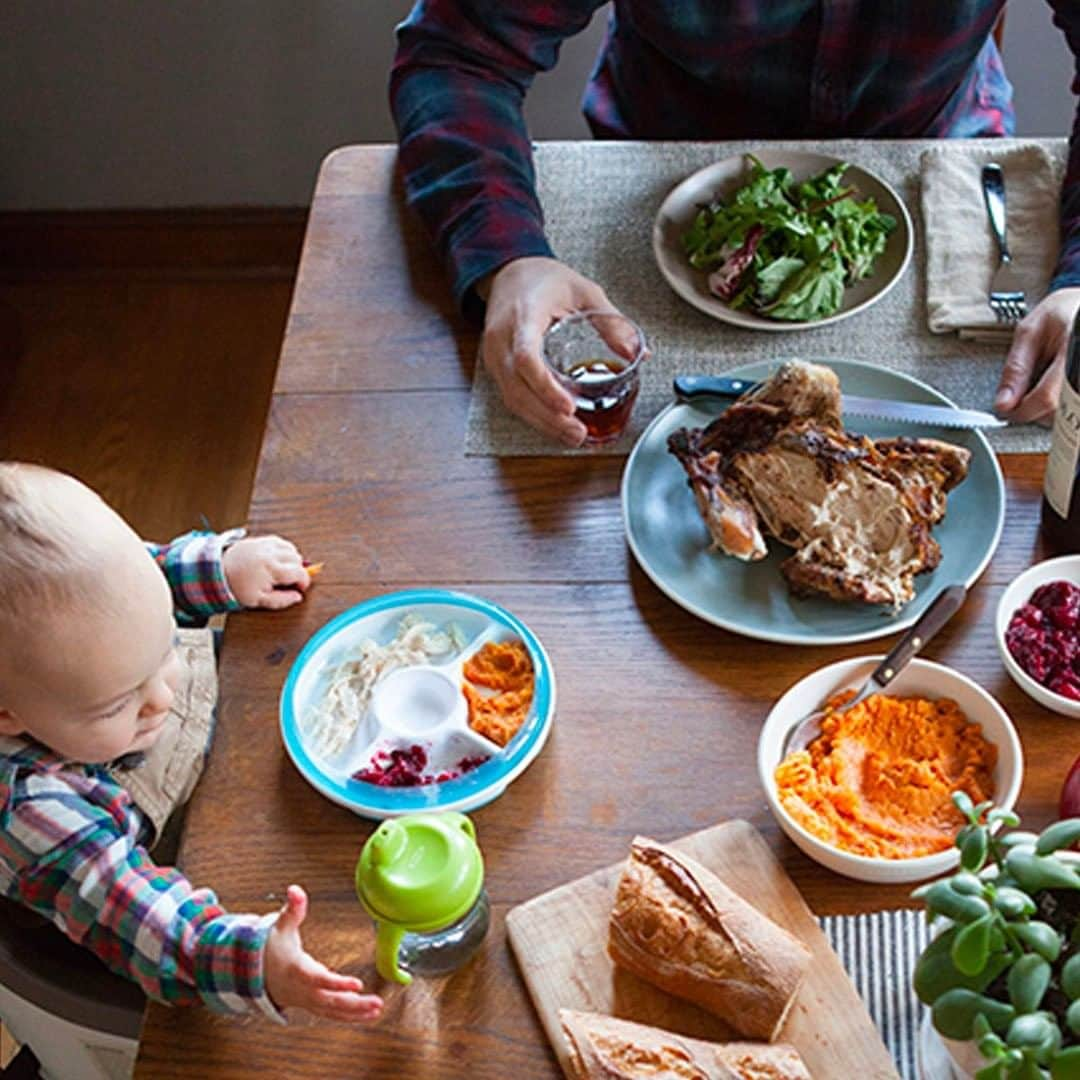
pixel 374 712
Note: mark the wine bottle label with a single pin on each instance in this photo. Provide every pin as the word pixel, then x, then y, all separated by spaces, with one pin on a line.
pixel 1064 452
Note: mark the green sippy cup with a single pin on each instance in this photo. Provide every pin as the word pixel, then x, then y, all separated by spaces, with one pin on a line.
pixel 421 878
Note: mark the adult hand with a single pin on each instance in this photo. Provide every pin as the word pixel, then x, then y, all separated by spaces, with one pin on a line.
pixel 266 572
pixel 524 298
pixel 295 978
pixel 1034 370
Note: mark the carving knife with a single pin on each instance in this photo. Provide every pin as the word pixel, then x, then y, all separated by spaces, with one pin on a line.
pixel 688 387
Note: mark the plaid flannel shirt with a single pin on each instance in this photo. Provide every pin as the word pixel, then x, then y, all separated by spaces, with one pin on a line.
pixel 71 849
pixel 696 70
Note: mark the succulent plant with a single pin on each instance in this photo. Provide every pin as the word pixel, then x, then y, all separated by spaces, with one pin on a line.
pixel 1004 970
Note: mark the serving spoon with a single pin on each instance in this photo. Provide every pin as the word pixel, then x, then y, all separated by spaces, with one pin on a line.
pixel 940 610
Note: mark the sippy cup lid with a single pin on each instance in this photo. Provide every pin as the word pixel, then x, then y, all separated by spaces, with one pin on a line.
pixel 420 871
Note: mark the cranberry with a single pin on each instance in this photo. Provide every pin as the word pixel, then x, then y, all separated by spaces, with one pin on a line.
pixel 1067 685
pixel 404 767
pixel 1043 636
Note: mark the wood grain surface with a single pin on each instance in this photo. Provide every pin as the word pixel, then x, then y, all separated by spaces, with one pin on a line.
pixel 560 941
pixel 363 465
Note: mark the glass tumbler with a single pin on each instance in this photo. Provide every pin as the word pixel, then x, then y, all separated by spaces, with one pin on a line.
pixel 596 355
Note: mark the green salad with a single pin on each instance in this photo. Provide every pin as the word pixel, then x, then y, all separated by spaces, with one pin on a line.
pixel 786 250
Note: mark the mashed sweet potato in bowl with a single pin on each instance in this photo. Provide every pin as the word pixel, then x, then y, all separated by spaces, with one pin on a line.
pixel 870 799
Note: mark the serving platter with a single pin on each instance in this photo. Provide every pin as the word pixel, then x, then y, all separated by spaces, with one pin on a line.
pixel 671 543
pixel 421 704
pixel 560 941
pixel 683 202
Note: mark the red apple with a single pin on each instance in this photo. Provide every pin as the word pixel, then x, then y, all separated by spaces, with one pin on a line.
pixel 1070 793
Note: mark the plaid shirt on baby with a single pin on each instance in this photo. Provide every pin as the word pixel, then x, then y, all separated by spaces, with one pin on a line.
pixel 192 566
pixel 697 70
pixel 71 849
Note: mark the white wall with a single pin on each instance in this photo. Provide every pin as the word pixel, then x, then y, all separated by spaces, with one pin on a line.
pixel 119 103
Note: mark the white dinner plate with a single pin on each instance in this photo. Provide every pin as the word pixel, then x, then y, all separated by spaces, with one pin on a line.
pixel 671 543
pixel 678 210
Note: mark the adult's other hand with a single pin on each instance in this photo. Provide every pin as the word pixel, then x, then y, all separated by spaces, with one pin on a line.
pixel 1034 370
pixel 524 297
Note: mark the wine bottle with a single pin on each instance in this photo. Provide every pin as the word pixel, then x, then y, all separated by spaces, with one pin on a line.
pixel 1061 485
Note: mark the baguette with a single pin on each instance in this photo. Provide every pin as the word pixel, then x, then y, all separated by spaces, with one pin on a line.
pixel 677 925
pixel 603 1048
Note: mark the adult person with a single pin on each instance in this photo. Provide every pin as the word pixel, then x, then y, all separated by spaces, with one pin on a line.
pixel 694 70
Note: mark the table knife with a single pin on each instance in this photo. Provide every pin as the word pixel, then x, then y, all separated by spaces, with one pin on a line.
pixel 688 387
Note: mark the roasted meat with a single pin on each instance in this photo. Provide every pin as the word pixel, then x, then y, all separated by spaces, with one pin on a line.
pixel 857 512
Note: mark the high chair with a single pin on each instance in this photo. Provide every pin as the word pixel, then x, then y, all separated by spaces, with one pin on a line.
pixel 78 1019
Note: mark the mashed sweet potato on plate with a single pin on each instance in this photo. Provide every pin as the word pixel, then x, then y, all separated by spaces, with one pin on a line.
pixel 498 685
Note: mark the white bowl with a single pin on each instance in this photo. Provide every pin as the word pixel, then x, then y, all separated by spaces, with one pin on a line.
pixel 1066 568
pixel 920 678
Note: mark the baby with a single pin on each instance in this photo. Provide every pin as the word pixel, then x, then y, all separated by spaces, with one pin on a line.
pixel 89 670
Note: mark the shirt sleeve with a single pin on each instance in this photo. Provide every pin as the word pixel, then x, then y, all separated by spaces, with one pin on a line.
pixel 73 863
pixel 1067 272
pixel 457 86
pixel 192 565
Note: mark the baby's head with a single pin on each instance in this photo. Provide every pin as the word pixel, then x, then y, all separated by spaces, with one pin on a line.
pixel 88 664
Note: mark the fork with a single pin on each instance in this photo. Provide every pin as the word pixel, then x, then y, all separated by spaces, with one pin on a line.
pixel 1006 298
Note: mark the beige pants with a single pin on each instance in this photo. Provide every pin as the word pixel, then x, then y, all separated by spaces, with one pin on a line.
pixel 172 766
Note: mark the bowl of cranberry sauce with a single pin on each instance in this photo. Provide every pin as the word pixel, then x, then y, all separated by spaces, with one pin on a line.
pixel 1038 633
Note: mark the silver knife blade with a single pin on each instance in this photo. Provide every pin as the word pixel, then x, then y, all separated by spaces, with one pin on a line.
pixel 688 387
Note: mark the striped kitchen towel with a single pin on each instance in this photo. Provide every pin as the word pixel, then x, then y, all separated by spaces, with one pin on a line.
pixel 879 951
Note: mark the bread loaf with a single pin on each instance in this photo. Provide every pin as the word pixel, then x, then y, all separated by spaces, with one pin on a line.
pixel 603 1048
pixel 678 926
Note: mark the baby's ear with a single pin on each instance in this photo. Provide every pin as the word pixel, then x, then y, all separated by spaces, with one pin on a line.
pixel 9 723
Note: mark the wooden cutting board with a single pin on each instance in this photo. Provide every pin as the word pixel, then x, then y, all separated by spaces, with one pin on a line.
pixel 560 941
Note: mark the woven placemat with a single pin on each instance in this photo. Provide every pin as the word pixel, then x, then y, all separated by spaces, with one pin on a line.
pixel 600 200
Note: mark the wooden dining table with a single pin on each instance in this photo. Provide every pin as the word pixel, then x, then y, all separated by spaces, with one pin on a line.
pixel 658 712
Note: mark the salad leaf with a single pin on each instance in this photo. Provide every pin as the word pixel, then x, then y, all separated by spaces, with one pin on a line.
pixel 816 238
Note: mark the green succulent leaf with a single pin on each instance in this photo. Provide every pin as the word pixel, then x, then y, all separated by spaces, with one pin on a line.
pixel 936 974
pixel 1019 838
pixel 1040 937
pixel 953 1014
pixel 996 1071
pixel 967 884
pixel 971 949
pixel 1072 1018
pixel 1045 1051
pixel 1038 872
pixel 1013 904
pixel 1027 981
pixel 974 849
pixel 1030 1030
pixel 1070 977
pixel 1066 1064
pixel 1062 834
pixel 1006 817
pixel 962 802
pixel 942 899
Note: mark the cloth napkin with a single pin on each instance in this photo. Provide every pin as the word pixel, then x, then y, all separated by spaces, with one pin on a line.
pixel 961 253
pixel 879 951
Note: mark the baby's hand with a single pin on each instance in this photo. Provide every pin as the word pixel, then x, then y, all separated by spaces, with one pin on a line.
pixel 266 572
pixel 295 978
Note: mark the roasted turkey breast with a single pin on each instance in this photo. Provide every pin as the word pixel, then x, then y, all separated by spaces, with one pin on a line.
pixel 857 512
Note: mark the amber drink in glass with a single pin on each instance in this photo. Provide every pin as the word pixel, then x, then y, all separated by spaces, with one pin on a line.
pixel 595 355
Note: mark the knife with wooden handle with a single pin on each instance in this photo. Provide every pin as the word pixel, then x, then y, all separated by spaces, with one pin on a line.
pixel 689 387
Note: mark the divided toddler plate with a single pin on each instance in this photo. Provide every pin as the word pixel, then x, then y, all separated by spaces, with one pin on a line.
pixel 420 704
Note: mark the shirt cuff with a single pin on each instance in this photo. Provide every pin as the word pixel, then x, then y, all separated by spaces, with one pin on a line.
pixel 486 239
pixel 230 974
pixel 195 571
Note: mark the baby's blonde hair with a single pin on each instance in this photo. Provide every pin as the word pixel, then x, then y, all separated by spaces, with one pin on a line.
pixel 50 539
